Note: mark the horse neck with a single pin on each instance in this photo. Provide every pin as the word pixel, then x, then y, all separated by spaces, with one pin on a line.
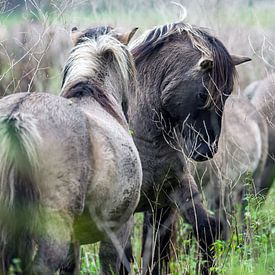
pixel 118 88
pixel 146 116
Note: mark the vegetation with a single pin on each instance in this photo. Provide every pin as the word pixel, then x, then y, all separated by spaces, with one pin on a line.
pixel 252 252
pixel 246 27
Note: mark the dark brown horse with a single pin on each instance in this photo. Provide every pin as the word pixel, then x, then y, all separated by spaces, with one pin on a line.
pixel 185 76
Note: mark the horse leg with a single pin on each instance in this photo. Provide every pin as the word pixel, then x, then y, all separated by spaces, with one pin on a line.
pixel 217 193
pixel 187 199
pixel 265 182
pixel 53 244
pixel 158 229
pixel 115 253
pixel 72 263
pixel 147 241
pixel 128 251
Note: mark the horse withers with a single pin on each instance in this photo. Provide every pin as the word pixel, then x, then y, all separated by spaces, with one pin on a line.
pixel 185 75
pixel 70 172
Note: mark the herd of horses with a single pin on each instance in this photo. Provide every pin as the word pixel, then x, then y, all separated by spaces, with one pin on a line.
pixel 147 125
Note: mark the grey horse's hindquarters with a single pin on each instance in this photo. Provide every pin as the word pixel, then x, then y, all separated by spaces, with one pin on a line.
pixel 19 195
pixel 36 205
pixel 24 219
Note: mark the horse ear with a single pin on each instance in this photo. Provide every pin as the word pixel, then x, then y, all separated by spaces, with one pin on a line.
pixel 126 37
pixel 75 35
pixel 206 64
pixel 237 59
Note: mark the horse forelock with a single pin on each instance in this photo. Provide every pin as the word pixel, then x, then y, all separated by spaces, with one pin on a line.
pixel 223 72
pixel 145 44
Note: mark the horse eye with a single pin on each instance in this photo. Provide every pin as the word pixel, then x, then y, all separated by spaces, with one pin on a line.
pixel 202 98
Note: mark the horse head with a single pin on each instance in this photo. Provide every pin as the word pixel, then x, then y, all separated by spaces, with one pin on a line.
pixel 100 59
pixel 193 79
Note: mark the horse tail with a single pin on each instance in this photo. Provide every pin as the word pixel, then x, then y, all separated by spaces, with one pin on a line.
pixel 19 192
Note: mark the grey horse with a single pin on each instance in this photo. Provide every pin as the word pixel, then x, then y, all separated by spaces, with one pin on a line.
pixel 262 95
pixel 242 154
pixel 70 172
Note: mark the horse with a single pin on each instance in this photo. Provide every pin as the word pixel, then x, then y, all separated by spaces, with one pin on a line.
pixel 70 173
pixel 29 51
pixel 262 95
pixel 242 149
pixel 242 153
pixel 184 75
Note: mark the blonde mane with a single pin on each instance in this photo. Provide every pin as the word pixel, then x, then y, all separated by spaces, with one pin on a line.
pixel 86 61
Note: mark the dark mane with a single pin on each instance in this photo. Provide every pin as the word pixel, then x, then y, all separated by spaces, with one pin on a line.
pixel 223 71
pixel 94 33
pixel 154 39
pixel 88 88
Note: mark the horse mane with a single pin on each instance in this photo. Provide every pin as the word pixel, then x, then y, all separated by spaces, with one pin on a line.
pixel 88 58
pixel 223 72
pixel 88 64
pixel 89 88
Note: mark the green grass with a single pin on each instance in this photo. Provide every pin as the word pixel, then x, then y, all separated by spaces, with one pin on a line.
pixel 11 19
pixel 113 18
pixel 252 253
pixel 89 259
